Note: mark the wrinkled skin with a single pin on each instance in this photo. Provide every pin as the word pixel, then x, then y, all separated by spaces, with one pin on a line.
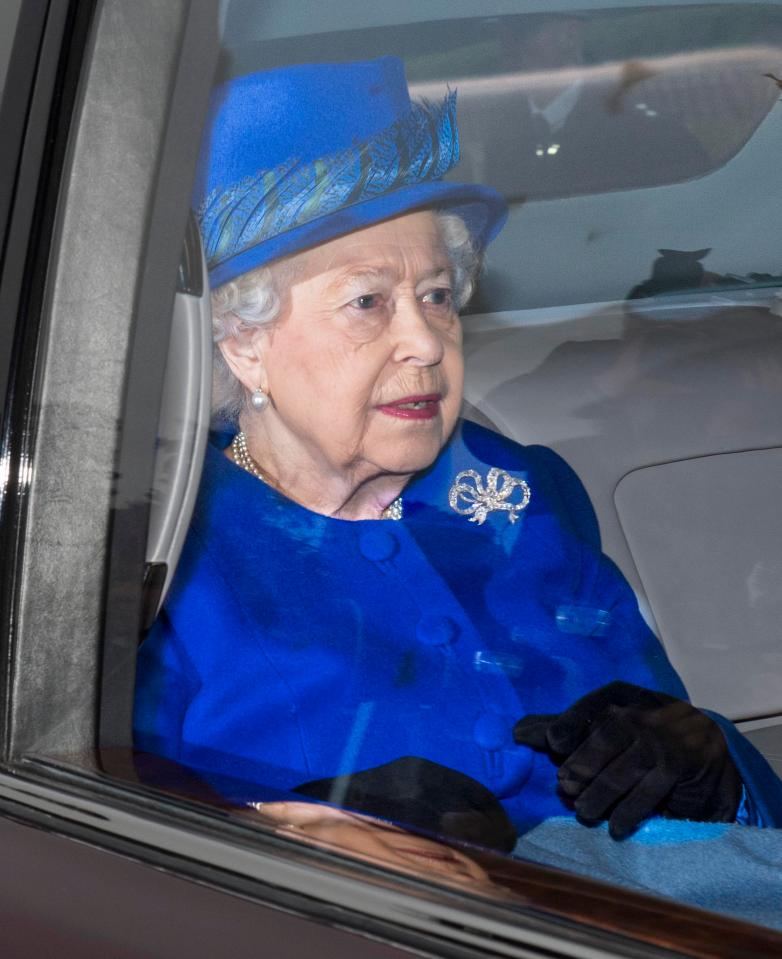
pixel 369 319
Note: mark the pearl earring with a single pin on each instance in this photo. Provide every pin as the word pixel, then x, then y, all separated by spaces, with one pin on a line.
pixel 259 400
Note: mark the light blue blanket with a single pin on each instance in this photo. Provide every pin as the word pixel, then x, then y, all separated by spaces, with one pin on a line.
pixel 730 869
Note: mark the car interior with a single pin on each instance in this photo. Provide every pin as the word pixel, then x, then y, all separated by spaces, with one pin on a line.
pixel 630 320
pixel 653 366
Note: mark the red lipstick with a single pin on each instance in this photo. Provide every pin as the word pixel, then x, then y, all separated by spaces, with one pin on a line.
pixel 413 407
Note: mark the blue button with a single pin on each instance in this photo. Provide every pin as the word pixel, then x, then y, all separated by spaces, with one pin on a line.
pixel 493 731
pixel 583 620
pixel 436 630
pixel 378 544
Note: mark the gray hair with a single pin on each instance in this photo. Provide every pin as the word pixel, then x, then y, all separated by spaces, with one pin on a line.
pixel 254 299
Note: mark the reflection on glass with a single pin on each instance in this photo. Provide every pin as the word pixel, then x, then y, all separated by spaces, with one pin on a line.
pixel 717 867
pixel 337 274
pixel 310 645
pixel 376 841
pixel 551 125
pixel 714 866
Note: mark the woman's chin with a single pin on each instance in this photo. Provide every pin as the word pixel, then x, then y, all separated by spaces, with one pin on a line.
pixel 409 453
pixel 411 464
pixel 409 446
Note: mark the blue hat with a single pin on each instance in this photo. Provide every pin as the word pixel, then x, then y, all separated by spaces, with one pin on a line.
pixel 297 156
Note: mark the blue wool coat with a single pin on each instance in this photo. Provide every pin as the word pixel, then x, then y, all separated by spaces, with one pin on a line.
pixel 295 646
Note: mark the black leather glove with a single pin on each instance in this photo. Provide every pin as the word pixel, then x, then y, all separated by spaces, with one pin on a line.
pixel 628 752
pixel 419 793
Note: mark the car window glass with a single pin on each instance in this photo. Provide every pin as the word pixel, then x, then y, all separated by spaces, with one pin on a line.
pixel 354 682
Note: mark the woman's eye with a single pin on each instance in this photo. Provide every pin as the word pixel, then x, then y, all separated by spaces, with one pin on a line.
pixel 439 297
pixel 368 301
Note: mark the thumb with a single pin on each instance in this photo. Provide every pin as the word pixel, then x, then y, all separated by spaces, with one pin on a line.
pixel 532 730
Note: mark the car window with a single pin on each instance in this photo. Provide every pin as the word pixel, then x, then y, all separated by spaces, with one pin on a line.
pixel 578 118
pixel 614 308
pixel 667 96
pixel 471 693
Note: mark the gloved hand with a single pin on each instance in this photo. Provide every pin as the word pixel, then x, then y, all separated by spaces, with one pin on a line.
pixel 416 792
pixel 628 752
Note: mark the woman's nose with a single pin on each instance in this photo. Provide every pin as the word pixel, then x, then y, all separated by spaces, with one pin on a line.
pixel 417 342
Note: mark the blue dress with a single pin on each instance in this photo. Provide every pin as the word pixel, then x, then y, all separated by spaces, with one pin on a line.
pixel 295 646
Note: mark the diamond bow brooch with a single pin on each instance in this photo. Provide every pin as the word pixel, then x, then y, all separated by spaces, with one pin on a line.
pixel 469 497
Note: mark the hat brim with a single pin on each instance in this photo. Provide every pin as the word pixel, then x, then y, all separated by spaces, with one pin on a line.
pixel 483 210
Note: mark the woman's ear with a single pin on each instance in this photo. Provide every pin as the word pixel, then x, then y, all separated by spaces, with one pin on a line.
pixel 244 354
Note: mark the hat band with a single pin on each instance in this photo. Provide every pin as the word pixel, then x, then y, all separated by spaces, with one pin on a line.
pixel 422 145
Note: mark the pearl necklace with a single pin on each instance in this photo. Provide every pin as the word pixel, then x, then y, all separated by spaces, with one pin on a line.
pixel 243 458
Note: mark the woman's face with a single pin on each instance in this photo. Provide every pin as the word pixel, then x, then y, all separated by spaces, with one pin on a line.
pixel 365 366
pixel 377 841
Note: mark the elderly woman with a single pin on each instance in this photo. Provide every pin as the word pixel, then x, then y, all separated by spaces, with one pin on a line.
pixel 367 577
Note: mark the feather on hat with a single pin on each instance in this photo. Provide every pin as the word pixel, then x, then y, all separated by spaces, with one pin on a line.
pixel 300 155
